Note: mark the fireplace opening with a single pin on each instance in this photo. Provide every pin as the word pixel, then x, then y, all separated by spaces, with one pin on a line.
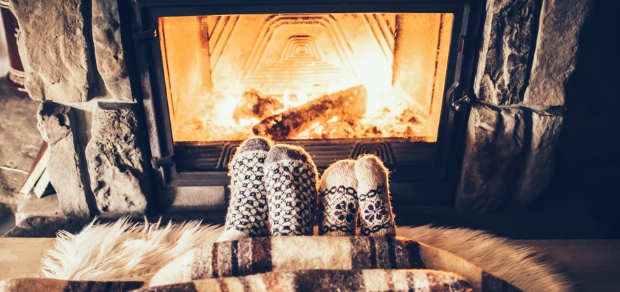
pixel 339 79
pixel 305 76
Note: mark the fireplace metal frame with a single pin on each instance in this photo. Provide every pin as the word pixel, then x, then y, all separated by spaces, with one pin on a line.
pixel 431 169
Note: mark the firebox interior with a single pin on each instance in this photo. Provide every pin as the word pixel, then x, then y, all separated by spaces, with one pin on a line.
pixel 305 76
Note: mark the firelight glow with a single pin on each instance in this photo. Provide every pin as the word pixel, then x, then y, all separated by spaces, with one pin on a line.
pixel 227 74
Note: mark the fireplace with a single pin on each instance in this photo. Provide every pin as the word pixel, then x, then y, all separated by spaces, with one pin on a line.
pixel 462 99
pixel 338 79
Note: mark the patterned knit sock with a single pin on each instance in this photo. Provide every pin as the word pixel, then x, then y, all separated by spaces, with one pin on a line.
pixel 247 209
pixel 290 180
pixel 338 200
pixel 376 218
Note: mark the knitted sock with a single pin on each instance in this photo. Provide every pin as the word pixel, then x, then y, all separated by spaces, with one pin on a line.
pixel 338 200
pixel 290 180
pixel 247 209
pixel 376 217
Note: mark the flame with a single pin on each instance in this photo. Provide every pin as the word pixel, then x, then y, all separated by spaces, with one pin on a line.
pixel 405 105
pixel 387 114
pixel 223 111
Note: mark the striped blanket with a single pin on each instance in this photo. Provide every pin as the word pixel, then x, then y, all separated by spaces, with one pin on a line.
pixel 301 264
pixel 289 254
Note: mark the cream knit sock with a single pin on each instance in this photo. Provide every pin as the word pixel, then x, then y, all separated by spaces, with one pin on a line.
pixel 338 201
pixel 290 180
pixel 376 217
pixel 247 209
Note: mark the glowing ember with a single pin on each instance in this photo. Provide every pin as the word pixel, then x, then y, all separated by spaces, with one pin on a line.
pixel 293 86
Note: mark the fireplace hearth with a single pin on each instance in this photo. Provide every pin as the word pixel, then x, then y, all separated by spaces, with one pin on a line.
pixel 462 99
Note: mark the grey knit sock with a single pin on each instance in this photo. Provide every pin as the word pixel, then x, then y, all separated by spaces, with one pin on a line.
pixel 338 201
pixel 290 180
pixel 376 217
pixel 247 209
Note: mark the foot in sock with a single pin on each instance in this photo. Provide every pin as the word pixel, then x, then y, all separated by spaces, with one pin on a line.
pixel 338 201
pixel 290 180
pixel 247 209
pixel 376 217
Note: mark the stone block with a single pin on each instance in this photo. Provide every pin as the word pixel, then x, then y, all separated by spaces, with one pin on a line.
pixel 65 168
pixel 505 53
pixel 54 49
pixel 116 160
pixel 47 206
pixel 109 53
pixel 494 140
pixel 538 162
pixel 561 23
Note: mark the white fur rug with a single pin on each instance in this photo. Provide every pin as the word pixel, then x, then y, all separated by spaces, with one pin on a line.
pixel 134 251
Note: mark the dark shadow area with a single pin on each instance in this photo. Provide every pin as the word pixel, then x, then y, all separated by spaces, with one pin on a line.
pixel 589 144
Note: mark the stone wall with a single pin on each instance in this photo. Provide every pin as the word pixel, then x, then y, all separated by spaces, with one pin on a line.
pixel 75 64
pixel 527 57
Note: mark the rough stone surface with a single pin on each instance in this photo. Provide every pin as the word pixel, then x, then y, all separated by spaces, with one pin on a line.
pixel 47 206
pixel 536 172
pixel 53 49
pixel 109 49
pixel 65 168
pixel 494 139
pixel 116 160
pixel 555 58
pixel 505 53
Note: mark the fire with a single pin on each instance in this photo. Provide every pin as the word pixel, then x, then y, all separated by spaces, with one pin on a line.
pixel 291 101
pixel 223 110
pixel 399 101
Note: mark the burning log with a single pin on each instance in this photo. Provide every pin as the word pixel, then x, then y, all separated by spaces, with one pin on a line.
pixel 255 105
pixel 348 105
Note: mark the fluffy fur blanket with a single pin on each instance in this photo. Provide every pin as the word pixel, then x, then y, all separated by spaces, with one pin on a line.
pixel 125 251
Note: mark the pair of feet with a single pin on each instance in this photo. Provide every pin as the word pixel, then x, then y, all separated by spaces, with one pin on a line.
pixel 278 184
pixel 351 185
